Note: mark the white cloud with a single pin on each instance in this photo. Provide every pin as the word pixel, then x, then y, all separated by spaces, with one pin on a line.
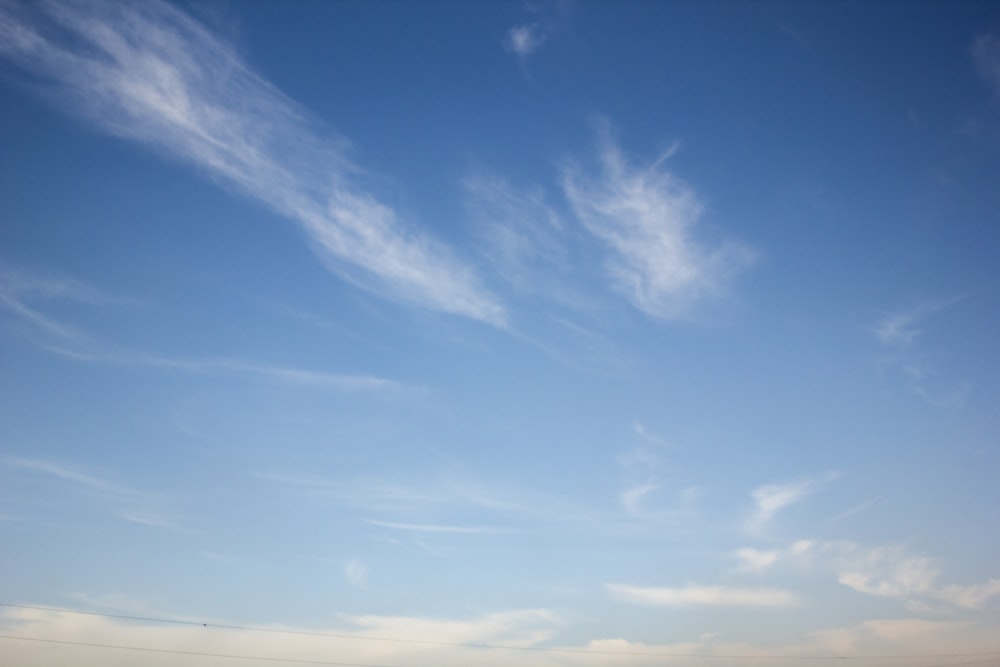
pixel 147 72
pixel 647 218
pixel 756 560
pixel 888 571
pixel 523 40
pixel 711 596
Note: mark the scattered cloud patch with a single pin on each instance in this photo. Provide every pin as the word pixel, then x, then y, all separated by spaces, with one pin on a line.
pixel 524 40
pixel 887 571
pixel 150 73
pixel 697 596
pixel 647 219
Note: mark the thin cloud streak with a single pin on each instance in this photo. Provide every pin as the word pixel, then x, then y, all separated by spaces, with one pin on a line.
pixel 238 368
pixel 703 596
pixel 147 72
pixel 432 528
pixel 65 340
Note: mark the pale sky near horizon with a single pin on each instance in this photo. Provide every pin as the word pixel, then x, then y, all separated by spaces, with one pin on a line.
pixel 634 333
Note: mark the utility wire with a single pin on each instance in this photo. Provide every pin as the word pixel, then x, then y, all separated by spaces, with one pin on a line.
pixel 540 649
pixel 199 654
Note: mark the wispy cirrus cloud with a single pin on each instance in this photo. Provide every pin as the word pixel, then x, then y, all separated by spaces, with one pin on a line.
pixel 525 239
pixel 703 596
pixel 148 72
pixel 648 219
pixel 898 332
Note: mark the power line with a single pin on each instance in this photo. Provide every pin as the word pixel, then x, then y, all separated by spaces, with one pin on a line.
pixel 540 649
pixel 199 654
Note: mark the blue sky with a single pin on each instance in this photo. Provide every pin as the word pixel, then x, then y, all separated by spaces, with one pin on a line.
pixel 619 331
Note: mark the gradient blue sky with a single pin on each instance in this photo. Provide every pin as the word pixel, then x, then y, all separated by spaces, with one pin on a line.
pixel 662 328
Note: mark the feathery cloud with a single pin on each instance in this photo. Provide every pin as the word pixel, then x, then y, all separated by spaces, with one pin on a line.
pixel 711 596
pixel 647 218
pixel 147 72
